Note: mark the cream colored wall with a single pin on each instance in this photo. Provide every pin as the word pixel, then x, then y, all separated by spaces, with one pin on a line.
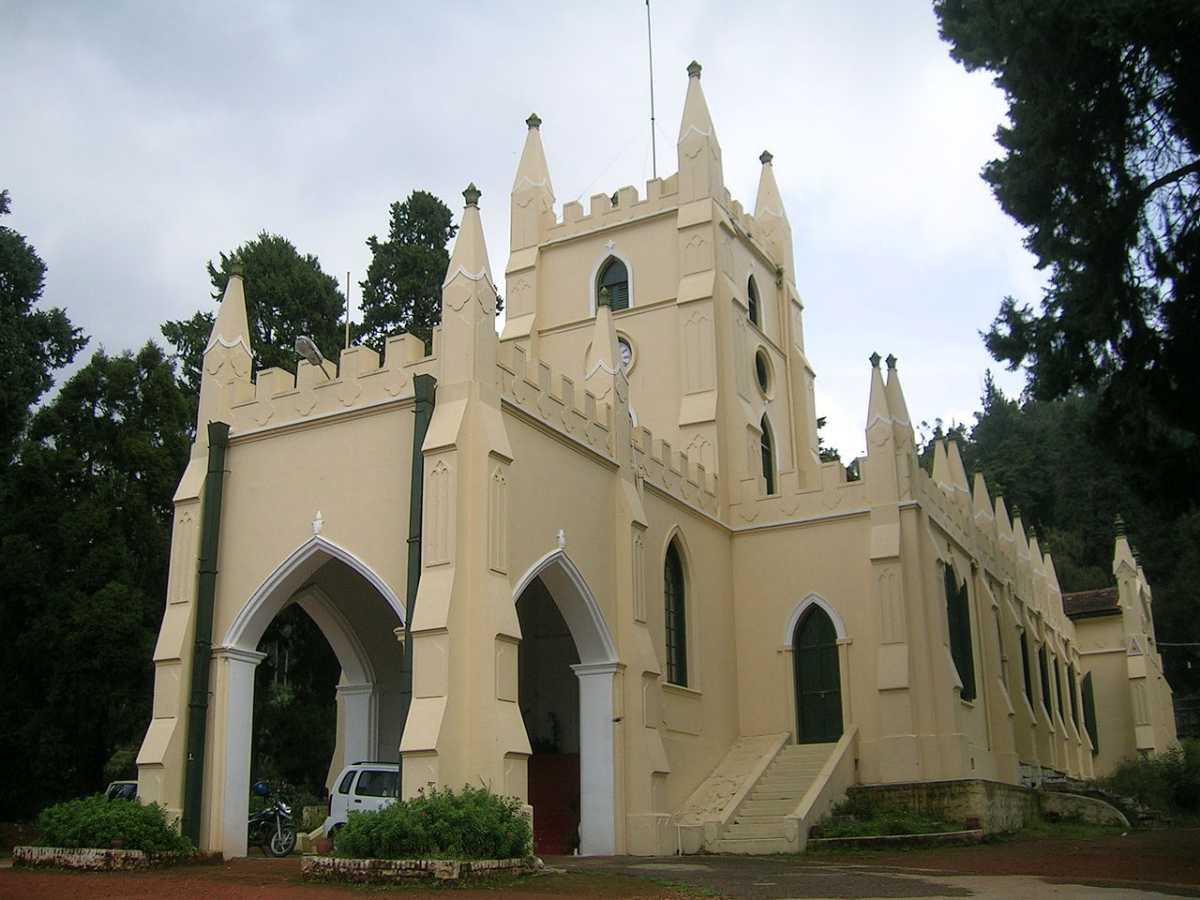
pixel 698 722
pixel 355 473
pixel 775 570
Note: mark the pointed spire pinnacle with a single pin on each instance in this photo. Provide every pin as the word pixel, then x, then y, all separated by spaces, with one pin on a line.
pixel 698 150
pixel 877 405
pixel 984 513
pixel 231 327
pixel 469 256
pixel 603 358
pixel 532 170
pixel 769 202
pixel 958 472
pixel 941 467
pixel 1003 523
pixel 695 108
pixel 895 393
pixel 468 302
pixel 765 157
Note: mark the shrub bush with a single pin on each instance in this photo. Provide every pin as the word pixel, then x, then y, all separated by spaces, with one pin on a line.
pixel 1167 781
pixel 472 823
pixel 104 824
pixel 861 816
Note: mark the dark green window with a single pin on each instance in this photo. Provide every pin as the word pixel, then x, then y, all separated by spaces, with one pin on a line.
pixel 1071 690
pixel 752 302
pixel 615 277
pixel 1062 709
pixel 1089 712
pixel 768 455
pixel 1025 669
pixel 958 617
pixel 676 618
pixel 1045 679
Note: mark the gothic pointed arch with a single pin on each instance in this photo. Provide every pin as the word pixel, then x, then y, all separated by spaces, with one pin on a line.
pixel 767 448
pixel 614 272
pixel 817 677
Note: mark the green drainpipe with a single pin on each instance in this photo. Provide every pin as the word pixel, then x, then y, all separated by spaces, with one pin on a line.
pixel 424 387
pixel 210 529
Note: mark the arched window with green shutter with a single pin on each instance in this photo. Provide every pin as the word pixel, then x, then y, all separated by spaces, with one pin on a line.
pixel 674 594
pixel 753 304
pixel 614 276
pixel 768 456
pixel 1089 712
pixel 958 619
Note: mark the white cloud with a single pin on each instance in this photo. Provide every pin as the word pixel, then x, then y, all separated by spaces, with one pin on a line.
pixel 150 137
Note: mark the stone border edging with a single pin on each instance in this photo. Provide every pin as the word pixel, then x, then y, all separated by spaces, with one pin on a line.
pixel 96 859
pixel 374 871
pixel 937 838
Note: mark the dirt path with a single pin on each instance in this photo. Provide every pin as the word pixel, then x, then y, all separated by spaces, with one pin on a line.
pixel 270 879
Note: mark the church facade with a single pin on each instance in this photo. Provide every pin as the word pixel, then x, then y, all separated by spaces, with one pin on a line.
pixel 596 561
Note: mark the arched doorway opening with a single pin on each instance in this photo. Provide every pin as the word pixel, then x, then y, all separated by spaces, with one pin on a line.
pixel 565 688
pixel 817 677
pixel 358 615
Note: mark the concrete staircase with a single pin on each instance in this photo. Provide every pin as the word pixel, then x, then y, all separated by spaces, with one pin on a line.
pixel 758 825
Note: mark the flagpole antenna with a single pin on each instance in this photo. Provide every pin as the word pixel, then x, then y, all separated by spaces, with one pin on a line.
pixel 650 50
pixel 347 310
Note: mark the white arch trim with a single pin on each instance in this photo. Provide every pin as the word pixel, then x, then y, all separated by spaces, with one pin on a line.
pixel 609 253
pixel 343 640
pixel 802 607
pixel 586 623
pixel 598 664
pixel 290 575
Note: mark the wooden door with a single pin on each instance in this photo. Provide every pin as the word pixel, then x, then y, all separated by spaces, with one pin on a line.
pixel 818 681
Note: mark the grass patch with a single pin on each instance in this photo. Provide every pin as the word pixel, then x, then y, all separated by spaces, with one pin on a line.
pixel 1073 829
pixel 862 816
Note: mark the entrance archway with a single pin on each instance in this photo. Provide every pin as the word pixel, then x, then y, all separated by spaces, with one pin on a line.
pixel 818 687
pixel 358 614
pixel 563 629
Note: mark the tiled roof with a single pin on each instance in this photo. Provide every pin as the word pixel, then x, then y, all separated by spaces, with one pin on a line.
pixel 1082 604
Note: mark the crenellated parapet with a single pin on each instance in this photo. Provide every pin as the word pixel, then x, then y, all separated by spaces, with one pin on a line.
pixel 554 400
pixel 607 210
pixel 278 397
pixel 576 415
pixel 670 470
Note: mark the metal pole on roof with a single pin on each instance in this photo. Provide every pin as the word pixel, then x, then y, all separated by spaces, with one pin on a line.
pixel 650 50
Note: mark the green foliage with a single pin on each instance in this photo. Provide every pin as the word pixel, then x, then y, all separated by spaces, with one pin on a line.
pixel 33 342
pixel 85 540
pixel 1101 166
pixel 1049 460
pixel 1168 781
pixel 104 824
pixel 295 708
pixel 403 288
pixel 287 295
pixel 472 823
pixel 860 815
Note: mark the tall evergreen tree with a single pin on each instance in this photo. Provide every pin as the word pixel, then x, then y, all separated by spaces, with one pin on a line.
pixel 403 288
pixel 84 581
pixel 33 342
pixel 287 295
pixel 1101 166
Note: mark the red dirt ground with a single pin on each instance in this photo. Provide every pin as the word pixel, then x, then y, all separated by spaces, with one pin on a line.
pixel 269 879
pixel 1163 857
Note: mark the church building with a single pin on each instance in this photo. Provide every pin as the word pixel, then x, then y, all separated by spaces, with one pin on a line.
pixel 597 563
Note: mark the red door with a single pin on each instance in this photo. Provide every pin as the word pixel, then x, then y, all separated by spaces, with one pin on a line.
pixel 554 796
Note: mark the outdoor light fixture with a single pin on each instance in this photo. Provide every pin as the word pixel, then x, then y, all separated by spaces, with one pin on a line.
pixel 307 348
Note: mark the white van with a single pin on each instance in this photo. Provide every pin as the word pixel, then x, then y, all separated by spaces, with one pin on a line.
pixel 361 786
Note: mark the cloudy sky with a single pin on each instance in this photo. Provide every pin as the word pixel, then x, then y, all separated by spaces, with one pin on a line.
pixel 143 138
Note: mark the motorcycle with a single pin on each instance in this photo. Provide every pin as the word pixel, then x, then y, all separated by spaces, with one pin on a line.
pixel 271 827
